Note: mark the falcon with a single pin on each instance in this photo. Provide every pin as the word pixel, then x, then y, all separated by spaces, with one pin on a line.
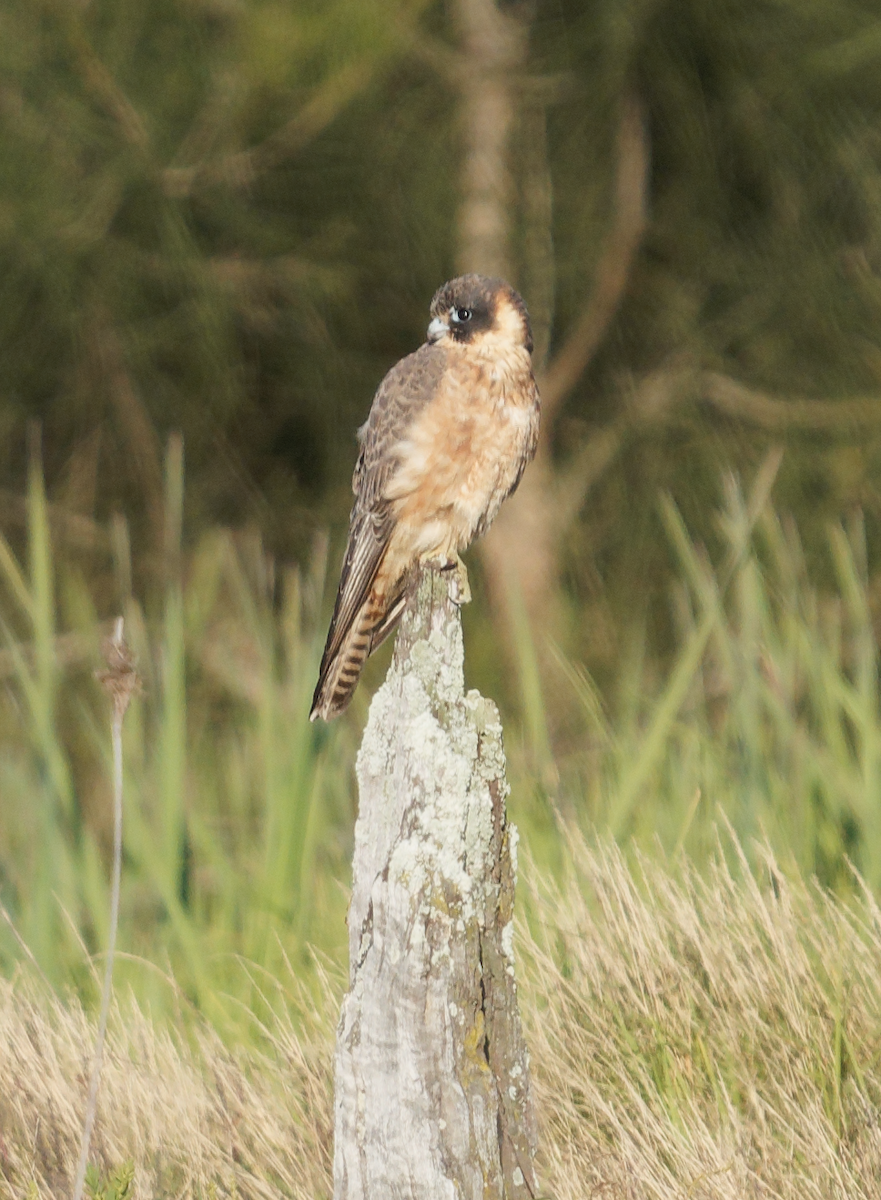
pixel 450 431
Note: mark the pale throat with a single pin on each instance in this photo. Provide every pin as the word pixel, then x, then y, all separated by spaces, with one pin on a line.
pixel 506 367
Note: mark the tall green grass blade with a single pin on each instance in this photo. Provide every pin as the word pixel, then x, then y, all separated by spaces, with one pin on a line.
pixel 171 829
pixel 637 774
pixel 531 693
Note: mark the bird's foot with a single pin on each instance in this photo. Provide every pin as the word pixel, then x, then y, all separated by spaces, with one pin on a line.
pixel 460 589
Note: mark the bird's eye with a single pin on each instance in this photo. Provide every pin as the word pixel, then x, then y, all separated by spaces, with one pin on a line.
pixel 460 315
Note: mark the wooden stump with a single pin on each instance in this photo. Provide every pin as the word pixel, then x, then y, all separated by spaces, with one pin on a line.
pixel 432 1094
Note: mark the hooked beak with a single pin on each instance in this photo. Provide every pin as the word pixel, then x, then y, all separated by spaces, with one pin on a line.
pixel 437 328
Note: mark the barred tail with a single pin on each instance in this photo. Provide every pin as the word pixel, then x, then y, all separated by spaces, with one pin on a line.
pixel 341 670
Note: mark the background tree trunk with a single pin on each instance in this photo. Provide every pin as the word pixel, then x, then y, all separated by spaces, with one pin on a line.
pixel 522 552
pixel 493 56
pixel 541 514
pixel 432 1094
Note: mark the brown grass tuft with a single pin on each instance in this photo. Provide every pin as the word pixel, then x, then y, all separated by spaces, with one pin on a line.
pixel 702 1036
pixel 197 1119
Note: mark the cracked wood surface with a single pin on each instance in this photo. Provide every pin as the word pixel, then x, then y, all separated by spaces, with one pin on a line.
pixel 432 1094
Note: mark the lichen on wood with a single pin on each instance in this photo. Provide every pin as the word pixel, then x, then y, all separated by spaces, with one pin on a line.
pixel 432 1094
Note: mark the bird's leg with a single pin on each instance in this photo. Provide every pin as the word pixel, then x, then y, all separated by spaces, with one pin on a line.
pixel 460 589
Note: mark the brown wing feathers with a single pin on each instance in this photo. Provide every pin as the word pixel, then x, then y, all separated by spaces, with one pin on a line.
pixel 364 613
pixel 355 615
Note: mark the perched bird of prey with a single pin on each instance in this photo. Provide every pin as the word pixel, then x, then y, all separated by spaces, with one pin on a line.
pixel 450 431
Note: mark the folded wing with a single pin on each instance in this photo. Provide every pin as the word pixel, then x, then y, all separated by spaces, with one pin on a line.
pixel 370 601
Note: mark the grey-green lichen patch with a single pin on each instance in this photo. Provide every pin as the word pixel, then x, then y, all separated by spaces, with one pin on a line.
pixel 428 756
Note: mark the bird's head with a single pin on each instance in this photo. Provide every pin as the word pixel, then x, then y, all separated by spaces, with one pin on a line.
pixel 476 311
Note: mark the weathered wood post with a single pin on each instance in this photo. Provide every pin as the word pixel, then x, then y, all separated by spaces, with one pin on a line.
pixel 432 1093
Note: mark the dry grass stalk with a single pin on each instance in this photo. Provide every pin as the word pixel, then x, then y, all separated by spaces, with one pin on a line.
pixel 121 682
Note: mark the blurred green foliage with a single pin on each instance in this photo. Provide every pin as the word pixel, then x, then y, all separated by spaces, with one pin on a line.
pixel 227 220
pixel 176 249
pixel 239 812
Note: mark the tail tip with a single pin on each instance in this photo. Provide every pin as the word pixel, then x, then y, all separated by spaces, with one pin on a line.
pixel 327 707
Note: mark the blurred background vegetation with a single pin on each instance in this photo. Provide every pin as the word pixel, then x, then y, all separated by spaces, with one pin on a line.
pixel 220 223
